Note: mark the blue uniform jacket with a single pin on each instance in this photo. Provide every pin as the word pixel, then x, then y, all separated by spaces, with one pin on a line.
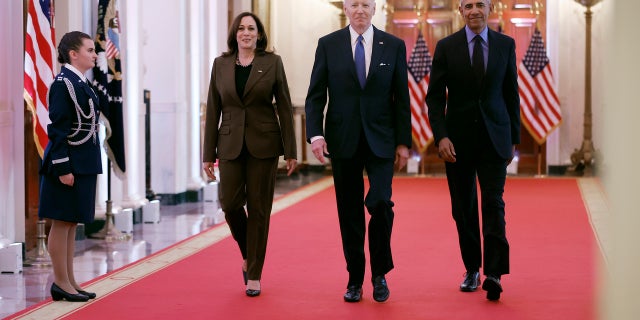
pixel 74 145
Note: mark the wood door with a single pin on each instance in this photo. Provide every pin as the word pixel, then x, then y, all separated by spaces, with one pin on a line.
pixel 437 19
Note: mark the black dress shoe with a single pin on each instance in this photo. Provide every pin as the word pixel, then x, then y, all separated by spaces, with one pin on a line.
pixel 353 294
pixel 493 287
pixel 380 289
pixel 58 294
pixel 90 295
pixel 471 282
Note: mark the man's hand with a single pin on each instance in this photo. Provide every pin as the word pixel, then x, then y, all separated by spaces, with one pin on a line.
pixel 513 153
pixel 446 150
pixel 209 170
pixel 402 156
pixel 319 149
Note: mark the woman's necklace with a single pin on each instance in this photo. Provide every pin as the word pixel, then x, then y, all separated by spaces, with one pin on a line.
pixel 246 64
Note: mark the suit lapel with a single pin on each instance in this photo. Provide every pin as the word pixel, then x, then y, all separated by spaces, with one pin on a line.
pixel 346 52
pixel 463 49
pixel 258 70
pixel 227 71
pixel 495 55
pixel 377 50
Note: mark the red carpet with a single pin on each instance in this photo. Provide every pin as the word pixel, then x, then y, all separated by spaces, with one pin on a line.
pixel 553 254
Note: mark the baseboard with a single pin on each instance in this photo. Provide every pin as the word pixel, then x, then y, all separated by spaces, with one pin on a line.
pixel 172 199
pixel 557 170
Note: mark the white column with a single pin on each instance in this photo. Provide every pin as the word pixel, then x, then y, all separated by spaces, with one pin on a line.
pixel 195 69
pixel 69 16
pixel 215 37
pixel 12 195
pixel 552 43
pixel 133 185
pixel 165 75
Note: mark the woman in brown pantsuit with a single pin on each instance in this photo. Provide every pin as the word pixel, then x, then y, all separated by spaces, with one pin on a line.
pixel 247 134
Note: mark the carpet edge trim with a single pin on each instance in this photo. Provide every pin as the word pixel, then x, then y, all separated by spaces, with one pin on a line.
pixel 598 211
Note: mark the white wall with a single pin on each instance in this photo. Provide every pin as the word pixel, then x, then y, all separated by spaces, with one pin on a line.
pixel 619 87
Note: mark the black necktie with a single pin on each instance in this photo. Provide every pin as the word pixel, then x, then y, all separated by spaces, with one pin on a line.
pixel 478 59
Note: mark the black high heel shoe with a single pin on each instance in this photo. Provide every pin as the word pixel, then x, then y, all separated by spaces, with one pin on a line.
pixel 253 292
pixel 58 294
pixel 244 275
pixel 90 295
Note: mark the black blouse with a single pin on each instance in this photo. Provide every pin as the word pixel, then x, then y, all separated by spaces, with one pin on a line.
pixel 242 75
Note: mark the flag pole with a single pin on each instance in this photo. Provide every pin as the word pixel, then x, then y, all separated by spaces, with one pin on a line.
pixel 539 175
pixel 423 158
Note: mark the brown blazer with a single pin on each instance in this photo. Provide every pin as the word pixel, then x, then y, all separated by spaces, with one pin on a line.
pixel 267 132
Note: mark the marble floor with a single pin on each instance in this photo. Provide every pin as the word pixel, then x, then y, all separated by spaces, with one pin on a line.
pixel 95 258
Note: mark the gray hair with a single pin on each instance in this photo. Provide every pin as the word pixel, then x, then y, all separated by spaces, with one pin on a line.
pixel 489 2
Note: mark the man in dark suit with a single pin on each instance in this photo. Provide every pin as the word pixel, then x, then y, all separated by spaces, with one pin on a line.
pixel 368 124
pixel 474 111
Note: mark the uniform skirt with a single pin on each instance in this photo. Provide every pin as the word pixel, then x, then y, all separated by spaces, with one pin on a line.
pixel 72 204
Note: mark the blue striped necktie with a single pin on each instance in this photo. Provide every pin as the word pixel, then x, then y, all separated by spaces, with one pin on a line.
pixel 360 64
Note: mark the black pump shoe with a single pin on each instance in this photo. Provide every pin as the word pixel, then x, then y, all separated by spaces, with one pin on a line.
pixel 252 293
pixel 58 294
pixel 90 295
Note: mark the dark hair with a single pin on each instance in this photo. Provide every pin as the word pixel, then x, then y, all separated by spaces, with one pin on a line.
pixel 70 41
pixel 232 40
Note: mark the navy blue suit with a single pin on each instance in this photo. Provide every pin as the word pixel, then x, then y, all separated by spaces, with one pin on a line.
pixel 483 123
pixel 74 147
pixel 362 128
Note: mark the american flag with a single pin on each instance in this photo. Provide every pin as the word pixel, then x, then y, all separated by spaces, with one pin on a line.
pixel 419 67
pixel 107 78
pixel 39 58
pixel 539 104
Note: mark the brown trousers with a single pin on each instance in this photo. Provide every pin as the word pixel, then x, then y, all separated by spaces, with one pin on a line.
pixel 248 181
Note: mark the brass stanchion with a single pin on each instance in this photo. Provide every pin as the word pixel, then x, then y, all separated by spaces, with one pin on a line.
pixel 39 256
pixel 583 158
pixel 109 231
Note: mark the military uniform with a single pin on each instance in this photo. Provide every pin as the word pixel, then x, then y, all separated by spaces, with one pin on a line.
pixel 74 147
